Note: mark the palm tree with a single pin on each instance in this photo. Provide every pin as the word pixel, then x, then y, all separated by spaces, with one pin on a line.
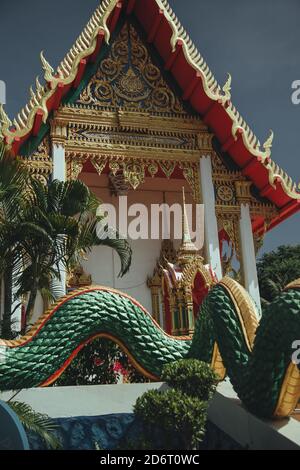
pixel 47 229
pixel 13 184
pixel 37 423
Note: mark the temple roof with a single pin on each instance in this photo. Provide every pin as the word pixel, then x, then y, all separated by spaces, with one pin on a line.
pixel 189 70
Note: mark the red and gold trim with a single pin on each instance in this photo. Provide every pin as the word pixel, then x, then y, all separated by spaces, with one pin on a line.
pixel 192 75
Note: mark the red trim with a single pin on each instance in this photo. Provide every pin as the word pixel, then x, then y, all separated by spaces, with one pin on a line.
pixel 100 38
pixel 37 122
pixel 174 55
pixel 130 6
pixel 81 69
pixel 58 96
pixel 59 371
pixel 16 145
pixel 115 16
pixel 265 192
pixel 155 27
pixel 196 80
pixel 250 167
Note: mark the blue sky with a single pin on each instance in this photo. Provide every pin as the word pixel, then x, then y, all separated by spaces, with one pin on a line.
pixel 257 41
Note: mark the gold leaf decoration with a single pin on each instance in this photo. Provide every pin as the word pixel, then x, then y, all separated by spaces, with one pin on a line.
pixel 167 167
pixel 128 79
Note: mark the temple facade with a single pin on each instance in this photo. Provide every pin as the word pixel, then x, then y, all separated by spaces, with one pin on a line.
pixel 133 110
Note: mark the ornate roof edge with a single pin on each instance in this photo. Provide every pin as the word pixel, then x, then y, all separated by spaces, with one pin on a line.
pixel 241 141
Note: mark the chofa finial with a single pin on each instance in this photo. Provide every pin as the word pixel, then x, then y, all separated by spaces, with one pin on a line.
pixel 5 122
pixel 268 143
pixel 48 70
pixel 227 87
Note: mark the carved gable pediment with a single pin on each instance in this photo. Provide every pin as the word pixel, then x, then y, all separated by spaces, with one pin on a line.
pixel 127 78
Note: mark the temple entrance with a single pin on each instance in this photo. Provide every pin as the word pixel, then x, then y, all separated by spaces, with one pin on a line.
pixel 149 253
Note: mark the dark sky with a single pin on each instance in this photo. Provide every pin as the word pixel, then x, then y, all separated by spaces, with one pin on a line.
pixel 257 41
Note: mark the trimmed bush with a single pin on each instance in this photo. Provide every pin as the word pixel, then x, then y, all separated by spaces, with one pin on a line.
pixel 175 418
pixel 172 419
pixel 191 376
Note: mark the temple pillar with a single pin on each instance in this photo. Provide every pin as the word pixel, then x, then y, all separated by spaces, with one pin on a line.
pixel 58 162
pixel 58 137
pixel 248 257
pixel 211 237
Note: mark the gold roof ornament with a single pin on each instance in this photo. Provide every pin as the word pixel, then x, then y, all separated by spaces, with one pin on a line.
pixel 187 250
pixel 227 88
pixel 268 143
pixel 5 122
pixel 77 277
pixel 48 70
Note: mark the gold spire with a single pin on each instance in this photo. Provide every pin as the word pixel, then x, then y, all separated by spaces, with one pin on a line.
pixel 187 249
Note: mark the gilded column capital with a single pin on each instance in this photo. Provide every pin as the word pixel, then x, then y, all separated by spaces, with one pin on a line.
pixel 59 132
pixel 204 142
pixel 243 191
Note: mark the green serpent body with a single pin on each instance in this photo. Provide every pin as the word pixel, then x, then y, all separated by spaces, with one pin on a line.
pixel 258 376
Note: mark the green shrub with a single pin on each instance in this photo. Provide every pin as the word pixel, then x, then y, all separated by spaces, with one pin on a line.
pixel 175 418
pixel 191 376
pixel 172 419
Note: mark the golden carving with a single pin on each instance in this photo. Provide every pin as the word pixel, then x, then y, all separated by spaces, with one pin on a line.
pixel 114 167
pixel 59 132
pixel 85 46
pixel 152 168
pixel 99 163
pixel 75 165
pixel 258 242
pixel 40 163
pixel 242 189
pixel 167 167
pixel 167 254
pixel 134 170
pixel 127 78
pixel 191 269
pixel 217 164
pixel 179 278
pixel 191 175
pixel 117 184
pixel 225 193
pixel 78 278
pixel 134 173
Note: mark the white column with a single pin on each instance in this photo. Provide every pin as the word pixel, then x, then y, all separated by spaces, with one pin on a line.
pixel 16 306
pixel 59 162
pixel 59 173
pixel 248 256
pixel 211 237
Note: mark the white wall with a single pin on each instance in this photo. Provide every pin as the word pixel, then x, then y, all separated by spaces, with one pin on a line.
pixel 104 265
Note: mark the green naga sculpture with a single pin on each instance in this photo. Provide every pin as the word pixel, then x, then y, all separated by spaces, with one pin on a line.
pixel 257 358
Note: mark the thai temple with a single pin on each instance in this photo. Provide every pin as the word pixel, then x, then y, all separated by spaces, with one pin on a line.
pixel 134 110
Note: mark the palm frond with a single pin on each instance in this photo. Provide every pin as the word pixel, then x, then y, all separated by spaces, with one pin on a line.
pixel 112 239
pixel 69 198
pixel 35 422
